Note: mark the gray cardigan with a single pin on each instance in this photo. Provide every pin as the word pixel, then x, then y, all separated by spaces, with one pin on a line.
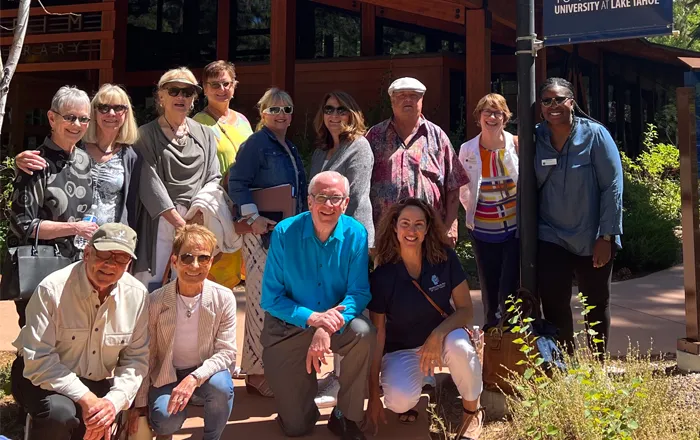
pixel 167 177
pixel 355 161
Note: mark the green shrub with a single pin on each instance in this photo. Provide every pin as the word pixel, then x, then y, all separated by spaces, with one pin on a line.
pixel 652 207
pixel 6 188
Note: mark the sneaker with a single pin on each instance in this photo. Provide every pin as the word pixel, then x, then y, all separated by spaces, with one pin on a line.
pixel 328 388
pixel 344 428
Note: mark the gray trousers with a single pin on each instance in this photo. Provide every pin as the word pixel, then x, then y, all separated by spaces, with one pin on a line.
pixel 284 355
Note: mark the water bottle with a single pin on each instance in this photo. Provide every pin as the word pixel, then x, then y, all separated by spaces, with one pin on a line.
pixel 79 241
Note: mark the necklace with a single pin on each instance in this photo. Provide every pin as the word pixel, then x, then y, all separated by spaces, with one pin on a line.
pixel 181 139
pixel 188 309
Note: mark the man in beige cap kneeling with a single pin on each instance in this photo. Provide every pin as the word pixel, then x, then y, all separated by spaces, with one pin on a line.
pixel 83 322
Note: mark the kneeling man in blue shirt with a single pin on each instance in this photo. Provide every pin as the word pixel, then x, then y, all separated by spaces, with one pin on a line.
pixel 315 287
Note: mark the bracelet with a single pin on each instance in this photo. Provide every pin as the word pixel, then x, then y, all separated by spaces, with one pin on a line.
pixel 252 219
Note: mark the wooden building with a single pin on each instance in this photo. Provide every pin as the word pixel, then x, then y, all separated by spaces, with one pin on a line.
pixel 461 50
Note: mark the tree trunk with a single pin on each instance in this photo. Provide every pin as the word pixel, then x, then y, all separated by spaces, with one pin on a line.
pixel 8 70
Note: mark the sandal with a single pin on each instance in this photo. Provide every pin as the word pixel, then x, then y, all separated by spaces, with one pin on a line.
pixel 405 418
pixel 471 427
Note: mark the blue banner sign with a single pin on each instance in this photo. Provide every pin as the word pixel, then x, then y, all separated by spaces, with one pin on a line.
pixel 584 21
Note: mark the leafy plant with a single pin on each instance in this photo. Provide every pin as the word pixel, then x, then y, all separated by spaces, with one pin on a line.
pixel 6 189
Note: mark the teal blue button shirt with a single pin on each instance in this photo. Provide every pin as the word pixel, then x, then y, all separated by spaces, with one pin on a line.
pixel 303 275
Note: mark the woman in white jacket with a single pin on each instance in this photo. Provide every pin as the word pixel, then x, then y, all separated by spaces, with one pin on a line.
pixel 491 161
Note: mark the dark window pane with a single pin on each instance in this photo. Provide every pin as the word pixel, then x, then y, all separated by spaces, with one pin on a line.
pixel 252 14
pixel 250 40
pixel 253 47
pixel 400 42
pixel 337 33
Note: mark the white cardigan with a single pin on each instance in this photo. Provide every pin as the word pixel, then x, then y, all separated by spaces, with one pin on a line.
pixel 470 158
pixel 215 206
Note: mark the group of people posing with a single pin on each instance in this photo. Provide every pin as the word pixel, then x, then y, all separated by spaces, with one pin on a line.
pixel 94 341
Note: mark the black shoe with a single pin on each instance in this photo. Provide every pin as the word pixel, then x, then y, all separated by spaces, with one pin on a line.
pixel 344 428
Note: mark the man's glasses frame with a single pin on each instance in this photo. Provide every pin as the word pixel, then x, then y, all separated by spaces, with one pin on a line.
pixel 120 258
pixel 321 199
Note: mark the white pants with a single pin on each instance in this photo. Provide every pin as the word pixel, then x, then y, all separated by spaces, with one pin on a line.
pixel 402 380
pixel 164 248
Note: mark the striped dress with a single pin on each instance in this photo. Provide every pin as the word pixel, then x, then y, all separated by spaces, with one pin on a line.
pixel 495 220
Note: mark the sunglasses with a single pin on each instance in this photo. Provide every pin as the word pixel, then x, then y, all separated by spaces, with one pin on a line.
pixel 495 114
pixel 340 111
pixel 276 110
pixel 106 108
pixel 187 92
pixel 120 258
pixel 189 259
pixel 559 100
pixel 322 199
pixel 220 84
pixel 72 118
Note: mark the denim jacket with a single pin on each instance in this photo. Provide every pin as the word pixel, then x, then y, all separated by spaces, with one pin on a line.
pixel 262 162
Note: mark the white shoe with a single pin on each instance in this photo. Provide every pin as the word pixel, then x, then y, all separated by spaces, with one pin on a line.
pixel 328 388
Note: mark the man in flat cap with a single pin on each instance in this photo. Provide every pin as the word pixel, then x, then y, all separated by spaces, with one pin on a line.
pixel 83 322
pixel 414 158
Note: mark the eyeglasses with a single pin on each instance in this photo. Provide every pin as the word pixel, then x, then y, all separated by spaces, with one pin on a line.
pixel 189 259
pixel 105 108
pixel 220 84
pixel 120 258
pixel 340 111
pixel 187 92
pixel 559 100
pixel 276 110
pixel 495 114
pixel 72 118
pixel 321 199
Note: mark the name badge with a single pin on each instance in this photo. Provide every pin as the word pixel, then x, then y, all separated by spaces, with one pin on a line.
pixel 549 162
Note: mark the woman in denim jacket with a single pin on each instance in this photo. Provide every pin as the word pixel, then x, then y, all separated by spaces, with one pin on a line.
pixel 265 160
pixel 491 161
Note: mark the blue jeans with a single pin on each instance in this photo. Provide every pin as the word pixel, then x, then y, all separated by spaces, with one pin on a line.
pixel 217 393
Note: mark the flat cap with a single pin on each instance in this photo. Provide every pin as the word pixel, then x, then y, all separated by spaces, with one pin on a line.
pixel 406 83
pixel 115 237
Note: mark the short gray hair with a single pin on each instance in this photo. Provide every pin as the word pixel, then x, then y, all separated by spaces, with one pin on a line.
pixel 69 96
pixel 333 174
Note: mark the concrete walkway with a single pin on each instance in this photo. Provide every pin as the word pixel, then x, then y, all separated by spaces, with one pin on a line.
pixel 643 309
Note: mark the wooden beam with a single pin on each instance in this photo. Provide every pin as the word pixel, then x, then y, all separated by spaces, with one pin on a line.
pixel 368 21
pixel 421 20
pixel 442 10
pixel 283 44
pixel 106 76
pixel 66 65
pixel 58 38
pixel 503 11
pixel 223 23
pixel 478 63
pixel 349 5
pixel 76 9
pixel 119 62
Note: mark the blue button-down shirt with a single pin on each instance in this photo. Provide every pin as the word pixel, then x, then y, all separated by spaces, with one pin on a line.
pixel 262 162
pixel 581 199
pixel 303 275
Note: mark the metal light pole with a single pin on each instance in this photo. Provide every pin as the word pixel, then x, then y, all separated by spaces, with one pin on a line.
pixel 526 50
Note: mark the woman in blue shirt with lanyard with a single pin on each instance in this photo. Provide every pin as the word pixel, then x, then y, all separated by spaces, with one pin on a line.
pixel 579 177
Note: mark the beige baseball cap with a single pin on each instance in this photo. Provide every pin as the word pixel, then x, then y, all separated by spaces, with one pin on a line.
pixel 115 237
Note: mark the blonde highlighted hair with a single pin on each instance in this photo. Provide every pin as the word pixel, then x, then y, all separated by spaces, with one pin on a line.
pixel 354 129
pixel 193 233
pixel 114 95
pixel 493 100
pixel 269 99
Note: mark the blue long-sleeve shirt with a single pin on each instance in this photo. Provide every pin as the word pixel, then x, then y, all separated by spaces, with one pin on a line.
pixel 581 199
pixel 303 275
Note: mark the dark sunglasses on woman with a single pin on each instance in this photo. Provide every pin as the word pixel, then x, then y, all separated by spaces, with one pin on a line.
pixel 105 108
pixel 187 92
pixel 72 118
pixel 276 110
pixel 189 258
pixel 340 111
pixel 559 100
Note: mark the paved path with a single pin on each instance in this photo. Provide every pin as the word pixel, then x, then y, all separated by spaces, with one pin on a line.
pixel 642 309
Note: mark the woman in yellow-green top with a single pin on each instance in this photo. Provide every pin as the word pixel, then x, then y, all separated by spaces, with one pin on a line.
pixel 231 129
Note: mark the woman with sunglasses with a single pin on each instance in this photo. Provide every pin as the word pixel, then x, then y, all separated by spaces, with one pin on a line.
pixel 59 193
pixel 180 159
pixel 415 261
pixel 110 134
pixel 192 323
pixel 231 129
pixel 579 177
pixel 491 161
pixel 265 160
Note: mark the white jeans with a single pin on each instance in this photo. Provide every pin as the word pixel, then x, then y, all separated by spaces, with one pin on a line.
pixel 402 380
pixel 164 248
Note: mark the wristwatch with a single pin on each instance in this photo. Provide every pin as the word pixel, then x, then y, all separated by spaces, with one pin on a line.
pixel 607 237
pixel 252 219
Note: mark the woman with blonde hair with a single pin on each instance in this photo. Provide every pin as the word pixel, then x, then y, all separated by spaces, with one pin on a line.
pixel 265 160
pixel 489 199
pixel 108 140
pixel 179 161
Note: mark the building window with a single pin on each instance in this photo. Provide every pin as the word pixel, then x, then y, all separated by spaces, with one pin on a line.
pixel 397 41
pixel 250 40
pixel 166 33
pixel 333 33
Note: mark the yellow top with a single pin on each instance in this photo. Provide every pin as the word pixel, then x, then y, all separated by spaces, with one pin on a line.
pixel 229 137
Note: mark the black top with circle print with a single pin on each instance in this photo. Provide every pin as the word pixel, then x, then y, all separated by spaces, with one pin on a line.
pixel 61 192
